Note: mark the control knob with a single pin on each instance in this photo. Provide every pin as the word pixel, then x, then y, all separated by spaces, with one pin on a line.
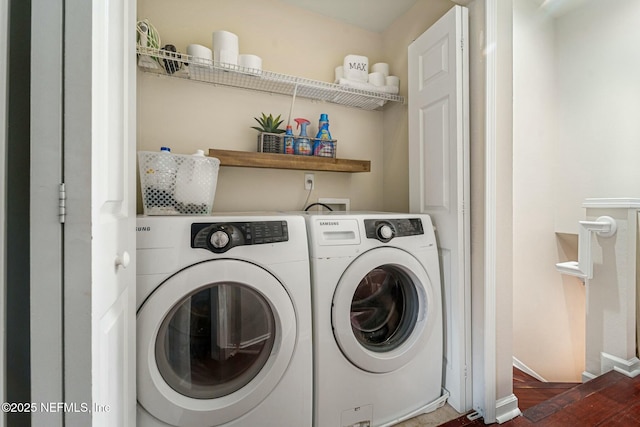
pixel 385 232
pixel 219 239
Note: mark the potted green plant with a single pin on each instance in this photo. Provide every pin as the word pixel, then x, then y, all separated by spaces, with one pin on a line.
pixel 269 140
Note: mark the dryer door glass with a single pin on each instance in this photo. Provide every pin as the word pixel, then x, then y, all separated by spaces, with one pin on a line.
pixel 215 341
pixel 384 309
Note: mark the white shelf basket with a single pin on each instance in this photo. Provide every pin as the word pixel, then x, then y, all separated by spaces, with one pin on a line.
pixel 181 65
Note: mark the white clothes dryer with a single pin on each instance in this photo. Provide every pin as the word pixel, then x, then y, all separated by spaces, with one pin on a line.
pixel 377 318
pixel 223 321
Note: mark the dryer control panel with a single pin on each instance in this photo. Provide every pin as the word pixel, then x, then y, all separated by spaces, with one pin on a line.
pixel 386 229
pixel 219 237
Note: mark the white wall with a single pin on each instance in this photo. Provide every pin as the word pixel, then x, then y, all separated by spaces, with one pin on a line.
pixel 548 308
pixel 575 136
pixel 598 106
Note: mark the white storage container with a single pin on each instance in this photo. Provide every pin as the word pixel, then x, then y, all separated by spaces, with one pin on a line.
pixel 176 184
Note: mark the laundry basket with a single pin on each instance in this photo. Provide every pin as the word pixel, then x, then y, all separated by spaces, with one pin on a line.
pixel 177 184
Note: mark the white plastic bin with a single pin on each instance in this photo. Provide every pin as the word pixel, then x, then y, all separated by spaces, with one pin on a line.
pixel 177 184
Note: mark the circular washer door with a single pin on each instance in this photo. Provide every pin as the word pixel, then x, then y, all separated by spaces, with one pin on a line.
pixel 213 342
pixel 381 310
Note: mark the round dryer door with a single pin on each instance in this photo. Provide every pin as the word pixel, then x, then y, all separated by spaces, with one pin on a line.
pixel 381 310
pixel 213 342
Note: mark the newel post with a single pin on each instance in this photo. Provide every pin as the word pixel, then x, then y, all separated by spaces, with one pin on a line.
pixel 610 271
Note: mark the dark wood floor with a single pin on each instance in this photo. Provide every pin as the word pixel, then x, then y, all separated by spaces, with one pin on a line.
pixel 612 399
pixel 531 391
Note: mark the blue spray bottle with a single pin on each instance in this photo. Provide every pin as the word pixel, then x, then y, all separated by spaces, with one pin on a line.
pixel 288 141
pixel 302 144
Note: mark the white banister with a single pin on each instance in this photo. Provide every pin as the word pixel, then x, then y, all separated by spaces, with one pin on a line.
pixel 604 226
pixel 612 287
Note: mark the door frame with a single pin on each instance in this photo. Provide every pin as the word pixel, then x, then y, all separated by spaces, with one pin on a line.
pixel 497 402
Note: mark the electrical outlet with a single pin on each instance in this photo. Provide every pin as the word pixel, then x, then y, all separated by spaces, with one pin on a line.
pixel 309 181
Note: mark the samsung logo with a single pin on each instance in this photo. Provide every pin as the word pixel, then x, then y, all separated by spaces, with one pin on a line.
pixel 143 228
pixel 329 223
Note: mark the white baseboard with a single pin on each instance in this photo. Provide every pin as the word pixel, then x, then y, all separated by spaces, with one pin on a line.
pixel 507 409
pixel 527 370
pixel 630 368
pixel 587 376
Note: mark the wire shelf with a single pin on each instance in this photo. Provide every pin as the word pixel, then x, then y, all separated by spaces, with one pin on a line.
pixel 184 66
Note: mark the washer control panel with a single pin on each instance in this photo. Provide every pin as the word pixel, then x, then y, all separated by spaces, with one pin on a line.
pixel 386 229
pixel 219 237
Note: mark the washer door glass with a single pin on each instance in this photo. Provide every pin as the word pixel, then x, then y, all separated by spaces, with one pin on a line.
pixel 215 340
pixel 384 308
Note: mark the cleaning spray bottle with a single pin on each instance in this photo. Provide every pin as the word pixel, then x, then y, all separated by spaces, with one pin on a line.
pixel 288 141
pixel 302 144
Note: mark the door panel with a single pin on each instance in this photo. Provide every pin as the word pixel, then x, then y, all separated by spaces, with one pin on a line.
pixel 435 157
pixel 434 62
pixel 439 177
pixel 114 372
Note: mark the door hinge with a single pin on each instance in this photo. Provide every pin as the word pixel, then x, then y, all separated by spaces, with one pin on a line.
pixel 62 203
pixel 462 44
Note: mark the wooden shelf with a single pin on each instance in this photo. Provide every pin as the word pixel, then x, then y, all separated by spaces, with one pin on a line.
pixel 288 161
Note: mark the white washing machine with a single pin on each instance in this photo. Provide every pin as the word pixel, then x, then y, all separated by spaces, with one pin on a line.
pixel 377 318
pixel 223 323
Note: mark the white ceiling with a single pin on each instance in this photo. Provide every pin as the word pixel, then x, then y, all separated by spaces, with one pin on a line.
pixel 372 15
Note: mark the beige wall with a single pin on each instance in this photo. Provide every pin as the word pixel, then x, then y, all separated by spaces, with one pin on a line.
pixel 186 115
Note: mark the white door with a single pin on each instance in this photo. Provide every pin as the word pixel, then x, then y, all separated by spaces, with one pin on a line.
pixel 113 211
pixel 99 239
pixel 439 178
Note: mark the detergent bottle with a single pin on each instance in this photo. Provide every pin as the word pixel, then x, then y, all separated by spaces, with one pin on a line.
pixel 288 141
pixel 323 145
pixel 302 144
pixel 324 119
